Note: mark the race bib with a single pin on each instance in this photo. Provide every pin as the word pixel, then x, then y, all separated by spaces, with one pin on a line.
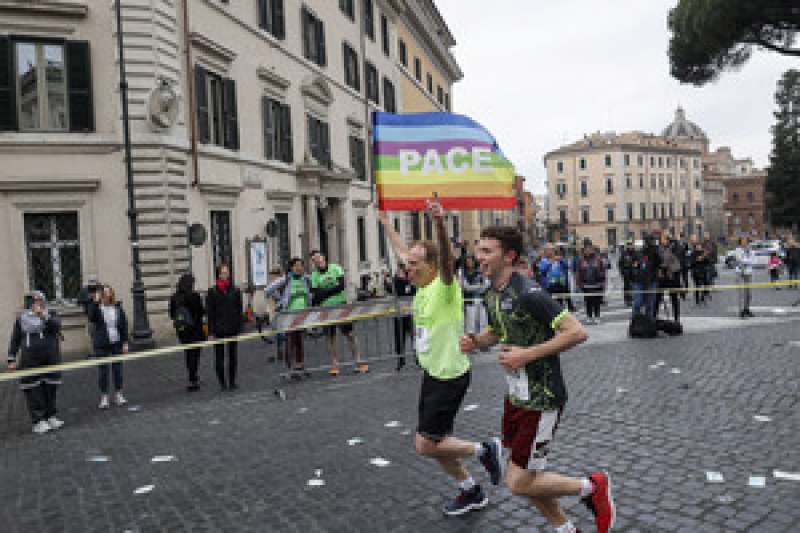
pixel 518 384
pixel 421 338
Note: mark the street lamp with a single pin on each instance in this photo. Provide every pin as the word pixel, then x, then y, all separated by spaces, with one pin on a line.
pixel 142 334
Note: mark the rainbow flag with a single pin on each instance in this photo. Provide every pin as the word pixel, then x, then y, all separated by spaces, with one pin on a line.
pixel 421 155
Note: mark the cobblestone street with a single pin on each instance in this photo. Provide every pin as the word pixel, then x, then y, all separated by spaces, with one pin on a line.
pixel 657 414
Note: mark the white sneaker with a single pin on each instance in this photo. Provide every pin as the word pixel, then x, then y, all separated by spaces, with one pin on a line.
pixel 54 422
pixel 104 402
pixel 41 427
pixel 119 399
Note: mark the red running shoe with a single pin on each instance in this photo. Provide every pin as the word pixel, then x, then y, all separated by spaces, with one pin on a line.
pixel 600 502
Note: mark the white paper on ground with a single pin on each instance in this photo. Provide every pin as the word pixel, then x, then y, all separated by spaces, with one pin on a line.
pixel 316 482
pixel 471 407
pixel 318 472
pixel 406 432
pixel 354 441
pixel 392 424
pixel 758 482
pixel 302 410
pixel 135 408
pixel 98 459
pixel 162 459
pixel 675 371
pixel 790 476
pixel 762 418
pixel 621 390
pixel 714 477
pixel 379 461
pixel 214 422
pixel 145 489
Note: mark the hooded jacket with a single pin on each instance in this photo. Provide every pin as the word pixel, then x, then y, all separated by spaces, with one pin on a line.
pixel 38 342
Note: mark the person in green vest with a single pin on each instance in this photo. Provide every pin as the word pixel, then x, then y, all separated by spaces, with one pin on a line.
pixel 294 294
pixel 328 288
pixel 438 311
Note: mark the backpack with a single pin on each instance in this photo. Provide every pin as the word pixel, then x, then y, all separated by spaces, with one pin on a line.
pixel 670 327
pixel 555 274
pixel 183 321
pixel 642 327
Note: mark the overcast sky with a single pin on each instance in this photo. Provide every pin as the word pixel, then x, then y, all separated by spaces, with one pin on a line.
pixel 540 74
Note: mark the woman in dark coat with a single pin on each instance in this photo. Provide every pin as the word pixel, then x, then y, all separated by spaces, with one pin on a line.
pixel 186 311
pixel 110 338
pixel 37 333
pixel 224 309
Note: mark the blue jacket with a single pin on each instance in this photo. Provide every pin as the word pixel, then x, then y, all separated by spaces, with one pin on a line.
pixel 101 339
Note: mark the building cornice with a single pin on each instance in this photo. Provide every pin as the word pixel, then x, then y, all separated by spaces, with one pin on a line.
pixel 622 146
pixel 417 20
pixel 49 184
pixel 64 8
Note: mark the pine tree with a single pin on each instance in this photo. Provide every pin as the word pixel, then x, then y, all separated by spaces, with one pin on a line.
pixel 783 174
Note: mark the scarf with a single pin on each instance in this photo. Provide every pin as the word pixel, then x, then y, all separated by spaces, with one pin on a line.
pixel 223 285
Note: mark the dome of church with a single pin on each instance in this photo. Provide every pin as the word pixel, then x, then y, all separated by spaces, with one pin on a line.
pixel 681 128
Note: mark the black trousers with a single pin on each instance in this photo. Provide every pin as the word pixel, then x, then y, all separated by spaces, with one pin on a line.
pixel 593 301
pixel 41 401
pixel 192 362
pixel 700 281
pixel 402 330
pixel 627 287
pixel 219 353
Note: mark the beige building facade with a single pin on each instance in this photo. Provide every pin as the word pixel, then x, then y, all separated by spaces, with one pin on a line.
pixel 250 118
pixel 611 187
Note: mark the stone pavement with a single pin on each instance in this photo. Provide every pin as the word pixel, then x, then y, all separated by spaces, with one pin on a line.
pixel 657 414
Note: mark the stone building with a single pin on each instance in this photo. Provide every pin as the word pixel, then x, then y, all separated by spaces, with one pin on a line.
pixel 610 187
pixel 244 116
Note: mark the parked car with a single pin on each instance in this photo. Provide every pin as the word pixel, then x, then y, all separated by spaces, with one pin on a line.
pixel 762 250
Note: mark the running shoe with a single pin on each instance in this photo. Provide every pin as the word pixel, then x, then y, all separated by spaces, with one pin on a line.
pixel 466 501
pixel 54 422
pixel 600 502
pixel 492 460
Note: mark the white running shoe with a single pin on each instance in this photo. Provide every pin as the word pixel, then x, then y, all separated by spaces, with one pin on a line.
pixel 54 422
pixel 104 404
pixel 119 399
pixel 41 427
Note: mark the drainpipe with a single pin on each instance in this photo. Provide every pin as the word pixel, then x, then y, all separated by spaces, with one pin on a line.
pixel 190 93
pixel 142 334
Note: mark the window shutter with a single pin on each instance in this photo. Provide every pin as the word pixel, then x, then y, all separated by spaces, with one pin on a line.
pixel 313 137
pixel 321 35
pixel 263 18
pixel 269 128
pixel 201 105
pixel 79 80
pixel 231 121
pixel 278 24
pixel 286 130
pixel 325 144
pixel 8 106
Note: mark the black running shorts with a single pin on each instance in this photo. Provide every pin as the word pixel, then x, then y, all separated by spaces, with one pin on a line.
pixel 439 402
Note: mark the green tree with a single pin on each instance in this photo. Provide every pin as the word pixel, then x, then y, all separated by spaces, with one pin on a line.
pixel 711 36
pixel 783 174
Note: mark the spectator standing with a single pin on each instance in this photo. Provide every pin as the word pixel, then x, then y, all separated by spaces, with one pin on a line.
pixel 744 269
pixel 110 338
pixel 590 278
pixel 554 273
pixel 774 268
pixel 699 265
pixel 36 337
pixel 400 285
pixel 473 285
pixel 273 308
pixel 645 279
pixel 224 309
pixel 669 276
pixel 186 311
pixel 294 294
pixel 793 261
pixel 625 266
pixel 327 289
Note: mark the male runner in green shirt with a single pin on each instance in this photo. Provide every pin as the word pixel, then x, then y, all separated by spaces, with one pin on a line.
pixel 532 330
pixel 327 288
pixel 438 311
